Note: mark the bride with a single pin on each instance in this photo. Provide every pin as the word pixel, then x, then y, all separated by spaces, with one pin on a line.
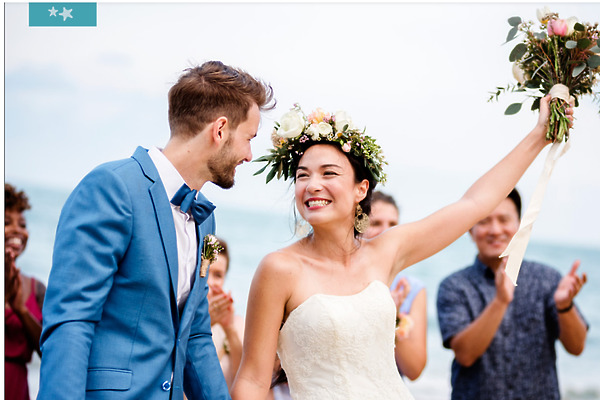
pixel 323 303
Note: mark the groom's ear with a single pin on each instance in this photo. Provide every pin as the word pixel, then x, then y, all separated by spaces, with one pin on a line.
pixel 219 130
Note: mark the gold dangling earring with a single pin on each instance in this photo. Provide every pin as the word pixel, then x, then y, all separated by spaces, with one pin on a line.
pixel 361 220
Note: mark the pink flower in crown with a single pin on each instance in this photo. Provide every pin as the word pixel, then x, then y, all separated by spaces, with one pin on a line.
pixel 346 147
pixel 558 27
pixel 319 115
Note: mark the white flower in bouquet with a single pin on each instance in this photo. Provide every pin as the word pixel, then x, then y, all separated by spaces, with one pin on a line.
pixel 571 21
pixel 518 73
pixel 291 124
pixel 544 14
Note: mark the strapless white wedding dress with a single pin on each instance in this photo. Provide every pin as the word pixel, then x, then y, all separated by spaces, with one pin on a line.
pixel 342 347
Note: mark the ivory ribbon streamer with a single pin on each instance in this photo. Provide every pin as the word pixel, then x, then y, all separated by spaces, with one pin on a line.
pixel 561 91
pixel 517 246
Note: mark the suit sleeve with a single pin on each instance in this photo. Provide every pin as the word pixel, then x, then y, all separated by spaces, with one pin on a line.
pixel 93 233
pixel 203 374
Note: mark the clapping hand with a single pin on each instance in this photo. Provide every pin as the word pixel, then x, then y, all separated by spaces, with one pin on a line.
pixel 12 281
pixel 568 287
pixel 505 290
pixel 220 308
pixel 400 291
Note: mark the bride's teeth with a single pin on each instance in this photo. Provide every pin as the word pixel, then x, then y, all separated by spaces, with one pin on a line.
pixel 320 203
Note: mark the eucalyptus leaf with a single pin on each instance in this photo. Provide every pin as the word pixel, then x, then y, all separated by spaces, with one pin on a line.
pixel 513 109
pixel 271 174
pixel 536 104
pixel 578 69
pixel 511 34
pixel 517 52
pixel 595 49
pixel 540 35
pixel 594 61
pixel 571 44
pixel 583 43
pixel 579 27
pixel 514 21
pixel 260 171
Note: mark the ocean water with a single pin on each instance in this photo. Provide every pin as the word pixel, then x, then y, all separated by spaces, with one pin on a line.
pixel 251 234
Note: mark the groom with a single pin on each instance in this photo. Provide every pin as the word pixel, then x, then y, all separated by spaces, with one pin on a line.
pixel 125 314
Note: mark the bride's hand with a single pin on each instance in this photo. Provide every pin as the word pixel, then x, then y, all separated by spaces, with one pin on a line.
pixel 542 123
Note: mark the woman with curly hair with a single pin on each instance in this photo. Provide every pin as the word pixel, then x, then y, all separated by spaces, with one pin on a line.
pixel 23 299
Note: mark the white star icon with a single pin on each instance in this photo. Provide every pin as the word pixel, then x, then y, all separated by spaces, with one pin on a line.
pixel 66 14
pixel 53 11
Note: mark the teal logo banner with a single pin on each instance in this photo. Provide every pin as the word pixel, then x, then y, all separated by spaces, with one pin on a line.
pixel 62 14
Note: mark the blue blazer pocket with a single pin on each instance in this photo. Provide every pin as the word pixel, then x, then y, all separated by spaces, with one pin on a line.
pixel 108 379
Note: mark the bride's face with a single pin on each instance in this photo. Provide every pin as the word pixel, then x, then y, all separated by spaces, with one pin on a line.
pixel 326 190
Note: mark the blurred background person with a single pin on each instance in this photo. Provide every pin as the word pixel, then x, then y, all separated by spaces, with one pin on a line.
pixel 227 327
pixel 408 293
pixel 23 299
pixel 503 336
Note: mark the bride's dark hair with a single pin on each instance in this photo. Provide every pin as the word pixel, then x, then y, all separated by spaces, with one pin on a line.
pixel 358 165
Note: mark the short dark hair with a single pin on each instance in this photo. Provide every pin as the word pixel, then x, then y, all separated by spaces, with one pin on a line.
pixel 386 198
pixel 516 198
pixel 203 94
pixel 14 199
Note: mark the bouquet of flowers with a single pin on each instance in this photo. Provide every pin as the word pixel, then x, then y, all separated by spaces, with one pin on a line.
pixel 560 57
pixel 210 250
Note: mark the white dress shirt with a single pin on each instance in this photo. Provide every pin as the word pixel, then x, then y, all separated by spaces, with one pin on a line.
pixel 185 227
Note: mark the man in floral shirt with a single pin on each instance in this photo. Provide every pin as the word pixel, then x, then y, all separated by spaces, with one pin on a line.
pixel 503 336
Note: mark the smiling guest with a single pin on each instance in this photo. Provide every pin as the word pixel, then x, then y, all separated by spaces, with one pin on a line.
pixel 23 299
pixel 503 337
pixel 126 314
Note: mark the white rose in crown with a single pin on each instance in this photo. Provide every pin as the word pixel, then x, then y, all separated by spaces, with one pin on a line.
pixel 291 125
pixel 313 131
pixel 342 119
pixel 324 129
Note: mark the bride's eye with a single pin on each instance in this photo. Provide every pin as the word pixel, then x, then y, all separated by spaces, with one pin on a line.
pixel 331 173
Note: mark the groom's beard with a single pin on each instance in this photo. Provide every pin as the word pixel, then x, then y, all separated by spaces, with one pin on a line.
pixel 222 167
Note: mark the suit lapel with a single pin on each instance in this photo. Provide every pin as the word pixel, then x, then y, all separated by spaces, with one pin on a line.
pixel 166 226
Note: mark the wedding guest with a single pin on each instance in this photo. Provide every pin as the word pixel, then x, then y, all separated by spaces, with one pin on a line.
pixel 227 327
pixel 408 293
pixel 323 303
pixel 503 337
pixel 23 299
pixel 126 311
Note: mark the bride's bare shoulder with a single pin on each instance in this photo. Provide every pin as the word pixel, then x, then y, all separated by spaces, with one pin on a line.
pixel 281 263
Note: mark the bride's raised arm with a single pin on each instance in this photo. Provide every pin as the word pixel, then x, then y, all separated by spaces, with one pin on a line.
pixel 413 242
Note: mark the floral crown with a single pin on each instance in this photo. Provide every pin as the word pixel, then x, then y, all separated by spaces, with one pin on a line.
pixel 295 129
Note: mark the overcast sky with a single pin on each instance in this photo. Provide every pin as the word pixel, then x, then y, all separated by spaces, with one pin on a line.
pixel 416 75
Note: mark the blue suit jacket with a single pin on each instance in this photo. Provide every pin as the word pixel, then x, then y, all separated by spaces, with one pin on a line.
pixel 111 328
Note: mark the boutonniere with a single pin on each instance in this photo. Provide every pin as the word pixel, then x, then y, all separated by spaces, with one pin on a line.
pixel 210 250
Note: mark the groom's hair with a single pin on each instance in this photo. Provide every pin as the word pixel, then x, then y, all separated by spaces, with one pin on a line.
pixel 205 93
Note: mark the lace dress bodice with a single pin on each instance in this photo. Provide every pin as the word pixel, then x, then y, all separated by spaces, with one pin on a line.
pixel 342 347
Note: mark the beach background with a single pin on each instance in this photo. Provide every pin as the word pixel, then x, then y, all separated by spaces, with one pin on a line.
pixel 251 234
pixel 417 75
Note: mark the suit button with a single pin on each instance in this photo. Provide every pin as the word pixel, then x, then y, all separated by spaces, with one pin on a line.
pixel 166 386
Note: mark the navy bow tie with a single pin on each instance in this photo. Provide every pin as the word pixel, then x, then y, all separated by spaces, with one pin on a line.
pixel 185 198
